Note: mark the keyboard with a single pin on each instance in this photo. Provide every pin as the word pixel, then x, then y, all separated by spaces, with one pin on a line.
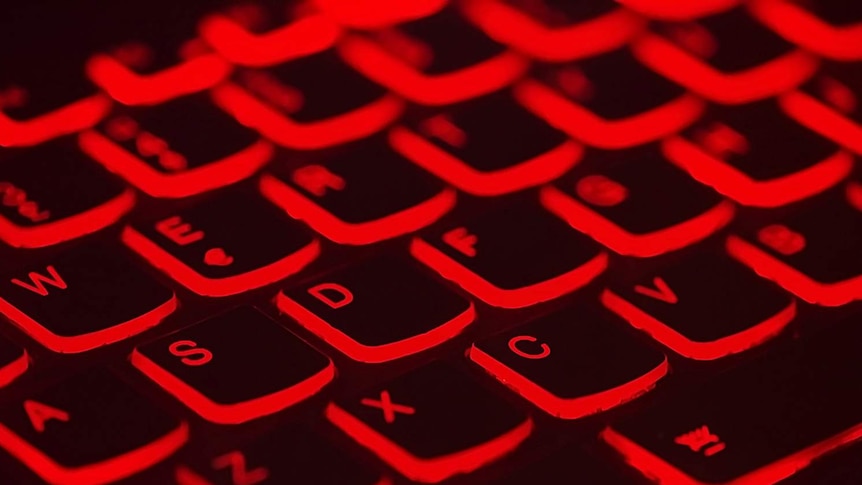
pixel 382 242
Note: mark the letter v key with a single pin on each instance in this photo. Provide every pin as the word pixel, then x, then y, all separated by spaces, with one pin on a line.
pixel 661 292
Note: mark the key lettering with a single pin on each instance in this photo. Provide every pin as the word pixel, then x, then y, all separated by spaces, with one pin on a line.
pixel 661 292
pixel 701 439
pixel 722 141
pixel 217 257
pixel 601 191
pixel 344 296
pixel 191 354
pixel 513 346
pixel 39 414
pixel 239 473
pixel 317 179
pixel 38 281
pixel 838 95
pixel 389 408
pixel 16 197
pixel 443 128
pixel 178 231
pixel 782 239
pixel 462 241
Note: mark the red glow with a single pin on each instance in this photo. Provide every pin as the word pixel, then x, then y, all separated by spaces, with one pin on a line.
pixel 854 195
pixel 339 231
pixel 501 297
pixel 803 28
pixel 528 173
pixel 67 228
pixel 73 117
pixel 428 470
pixel 396 74
pixel 279 128
pixel 301 37
pixel 621 241
pixel 563 408
pixel 581 123
pixel 677 342
pixel 510 26
pixel 231 285
pixel 820 118
pixel 234 413
pixel 733 183
pixel 379 353
pixel 676 10
pixel 14 369
pixel 376 14
pixel 223 172
pixel 768 79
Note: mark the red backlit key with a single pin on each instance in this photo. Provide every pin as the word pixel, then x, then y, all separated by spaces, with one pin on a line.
pixel 177 149
pixel 735 151
pixel 309 103
pixel 811 253
pixel 267 461
pixel 571 465
pixel 53 192
pixel 728 58
pixel 224 246
pixel 842 467
pixel 572 363
pixel 351 199
pixel 555 30
pixel 432 423
pixel 14 361
pixel 90 429
pixel 427 61
pixel 676 10
pixel 831 28
pixel 490 146
pixel 264 33
pixel 378 310
pixel 829 104
pixel 755 424
pixel 375 14
pixel 235 367
pixel 514 257
pixel 637 203
pixel 610 101
pixel 704 307
pixel 84 298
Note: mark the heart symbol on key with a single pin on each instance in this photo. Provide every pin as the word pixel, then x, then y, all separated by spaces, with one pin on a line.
pixel 217 257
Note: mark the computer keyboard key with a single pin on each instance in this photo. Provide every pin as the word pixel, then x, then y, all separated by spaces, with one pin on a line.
pixel 428 61
pixel 553 30
pixel 830 28
pixel 829 104
pixel 224 246
pixel 42 201
pixel 266 460
pixel 488 147
pixel 757 423
pixel 514 257
pixel 675 10
pixel 432 423
pixel 14 361
pixel 264 33
pixel 704 307
pixel 570 364
pixel 176 149
pixel 735 151
pixel 84 298
pixel 351 199
pixel 610 101
pixel 235 367
pixel 810 253
pixel 377 14
pixel 378 310
pixel 89 429
pixel 728 58
pixel 636 203
pixel 309 103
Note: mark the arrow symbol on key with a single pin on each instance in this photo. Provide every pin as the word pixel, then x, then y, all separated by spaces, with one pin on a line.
pixel 661 291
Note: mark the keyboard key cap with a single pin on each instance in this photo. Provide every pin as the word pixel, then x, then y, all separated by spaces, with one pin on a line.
pixel 734 150
pixel 714 58
pixel 375 14
pixel 309 103
pixel 610 101
pixel 42 201
pixel 757 423
pixel 378 310
pixel 223 368
pixel 310 460
pixel 675 10
pixel 426 60
pixel 491 146
pixel 636 203
pixel 224 246
pixel 568 363
pixel 14 361
pixel 351 199
pixel 704 307
pixel 514 257
pixel 177 149
pixel 84 298
pixel 266 33
pixel 553 30
pixel 810 253
pixel 831 28
pixel 432 423
pixel 567 466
